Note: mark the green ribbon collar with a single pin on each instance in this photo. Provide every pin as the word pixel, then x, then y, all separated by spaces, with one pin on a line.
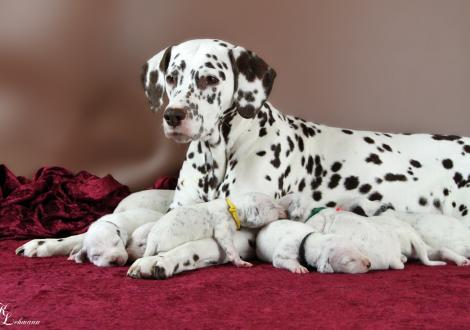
pixel 314 212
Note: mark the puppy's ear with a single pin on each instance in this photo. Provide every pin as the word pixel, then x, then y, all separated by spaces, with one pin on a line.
pixel 79 255
pixel 123 235
pixel 253 81
pixel 153 78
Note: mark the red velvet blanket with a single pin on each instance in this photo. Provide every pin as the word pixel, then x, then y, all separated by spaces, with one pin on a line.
pixel 58 203
pixel 64 295
pixel 55 202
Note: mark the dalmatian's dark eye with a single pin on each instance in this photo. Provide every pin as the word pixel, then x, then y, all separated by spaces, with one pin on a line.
pixel 211 80
pixel 205 81
pixel 171 80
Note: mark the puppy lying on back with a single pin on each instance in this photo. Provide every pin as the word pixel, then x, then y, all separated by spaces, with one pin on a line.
pixel 385 245
pixel 287 244
pixel 217 219
pixel 105 241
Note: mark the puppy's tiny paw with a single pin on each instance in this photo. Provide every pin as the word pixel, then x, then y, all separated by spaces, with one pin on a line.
pixel 134 269
pixel 242 263
pixel 465 262
pixel 299 270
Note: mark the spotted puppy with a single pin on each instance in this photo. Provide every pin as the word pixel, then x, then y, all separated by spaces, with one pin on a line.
pixel 294 246
pixel 106 239
pixel 218 219
pixel 153 199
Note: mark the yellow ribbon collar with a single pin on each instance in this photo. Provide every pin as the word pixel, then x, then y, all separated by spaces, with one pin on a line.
pixel 233 211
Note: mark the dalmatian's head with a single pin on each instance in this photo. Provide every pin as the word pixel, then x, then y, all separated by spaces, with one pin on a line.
pixel 345 257
pixel 104 245
pixel 200 80
pixel 257 209
pixel 337 254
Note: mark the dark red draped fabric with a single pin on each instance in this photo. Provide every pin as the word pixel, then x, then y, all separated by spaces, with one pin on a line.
pixel 165 182
pixel 55 202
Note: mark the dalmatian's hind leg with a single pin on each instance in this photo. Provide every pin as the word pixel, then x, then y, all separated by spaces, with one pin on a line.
pixel 448 254
pixel 50 247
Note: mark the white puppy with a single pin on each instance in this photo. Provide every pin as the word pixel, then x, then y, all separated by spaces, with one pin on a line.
pixel 287 244
pixel 138 242
pixel 105 241
pixel 217 219
pixel 447 237
pixel 386 246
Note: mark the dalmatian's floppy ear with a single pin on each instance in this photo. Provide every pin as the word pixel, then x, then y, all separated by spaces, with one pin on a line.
pixel 254 80
pixel 153 78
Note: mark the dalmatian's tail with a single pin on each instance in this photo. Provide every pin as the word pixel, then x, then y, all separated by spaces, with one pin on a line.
pixel 421 251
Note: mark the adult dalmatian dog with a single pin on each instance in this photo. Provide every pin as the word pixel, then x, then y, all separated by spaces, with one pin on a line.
pixel 238 142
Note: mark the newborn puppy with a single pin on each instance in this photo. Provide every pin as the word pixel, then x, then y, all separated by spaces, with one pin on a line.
pixel 447 237
pixel 213 219
pixel 138 241
pixel 385 246
pixel 105 241
pixel 286 243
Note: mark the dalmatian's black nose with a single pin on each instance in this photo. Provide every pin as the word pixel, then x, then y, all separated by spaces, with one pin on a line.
pixel 174 116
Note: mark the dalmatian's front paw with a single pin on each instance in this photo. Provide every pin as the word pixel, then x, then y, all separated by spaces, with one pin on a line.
pixel 142 268
pixel 38 248
pixel 299 270
pixel 165 268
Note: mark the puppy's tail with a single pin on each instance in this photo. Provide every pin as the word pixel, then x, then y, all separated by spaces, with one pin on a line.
pixel 421 251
